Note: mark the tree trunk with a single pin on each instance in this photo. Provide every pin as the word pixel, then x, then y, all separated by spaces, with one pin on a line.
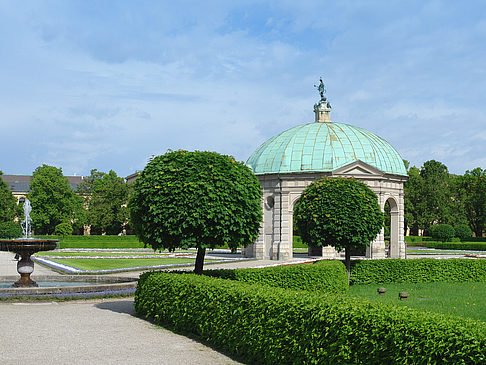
pixel 347 255
pixel 198 269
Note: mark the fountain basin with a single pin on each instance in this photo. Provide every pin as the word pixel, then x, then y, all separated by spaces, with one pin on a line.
pixel 25 247
pixel 31 245
pixel 78 286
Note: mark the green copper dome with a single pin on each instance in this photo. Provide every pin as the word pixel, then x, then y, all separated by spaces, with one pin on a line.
pixel 324 147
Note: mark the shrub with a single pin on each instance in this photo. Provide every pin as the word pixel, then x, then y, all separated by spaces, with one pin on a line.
pixel 474 246
pixel 463 232
pixel 297 242
pixel 477 239
pixel 64 229
pixel 417 271
pixel 10 230
pixel 324 275
pixel 442 232
pixel 278 326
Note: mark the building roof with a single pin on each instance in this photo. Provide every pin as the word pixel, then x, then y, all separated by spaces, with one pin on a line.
pixel 21 183
pixel 324 147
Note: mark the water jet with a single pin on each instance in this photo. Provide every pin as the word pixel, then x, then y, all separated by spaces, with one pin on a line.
pixel 25 247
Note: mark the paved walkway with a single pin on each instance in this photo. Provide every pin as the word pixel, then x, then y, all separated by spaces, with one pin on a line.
pixel 93 332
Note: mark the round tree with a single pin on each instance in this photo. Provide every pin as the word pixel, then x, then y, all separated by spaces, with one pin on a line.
pixel 196 199
pixel 442 232
pixel 338 212
pixel 463 232
pixel 63 230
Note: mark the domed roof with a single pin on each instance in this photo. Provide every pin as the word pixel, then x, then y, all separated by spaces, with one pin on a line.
pixel 324 147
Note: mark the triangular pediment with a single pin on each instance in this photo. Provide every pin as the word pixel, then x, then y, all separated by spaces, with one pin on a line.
pixel 358 168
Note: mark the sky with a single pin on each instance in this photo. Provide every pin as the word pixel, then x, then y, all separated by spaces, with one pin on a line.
pixel 107 84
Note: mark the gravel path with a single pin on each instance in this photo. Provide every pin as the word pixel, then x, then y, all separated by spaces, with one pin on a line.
pixel 93 332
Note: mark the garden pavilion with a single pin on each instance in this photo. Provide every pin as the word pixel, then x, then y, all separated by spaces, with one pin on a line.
pixel 288 162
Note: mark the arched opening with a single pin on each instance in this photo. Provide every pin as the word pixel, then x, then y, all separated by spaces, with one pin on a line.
pixel 297 245
pixel 391 228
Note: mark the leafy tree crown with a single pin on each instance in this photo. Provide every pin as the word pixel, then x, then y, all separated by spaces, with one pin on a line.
pixel 196 199
pixel 53 201
pixel 106 197
pixel 8 203
pixel 338 212
pixel 64 229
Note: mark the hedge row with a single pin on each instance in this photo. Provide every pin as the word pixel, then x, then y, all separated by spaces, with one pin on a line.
pixel 324 275
pixel 276 326
pixel 476 246
pixel 413 239
pixel 417 271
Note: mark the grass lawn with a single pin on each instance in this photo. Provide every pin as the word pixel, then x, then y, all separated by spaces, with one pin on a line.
pixel 108 264
pixel 462 299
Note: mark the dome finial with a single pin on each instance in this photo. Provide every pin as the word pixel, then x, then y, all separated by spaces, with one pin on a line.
pixel 323 107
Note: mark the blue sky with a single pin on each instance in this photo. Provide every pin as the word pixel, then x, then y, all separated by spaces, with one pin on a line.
pixel 107 84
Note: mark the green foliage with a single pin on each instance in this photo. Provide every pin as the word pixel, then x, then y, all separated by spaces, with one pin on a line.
pixel 53 201
pixel 473 246
pixel 64 229
pixel 472 194
pixel 415 239
pixel 430 197
pixel 442 232
pixel 10 230
pixel 342 213
pixel 196 199
pixel 279 326
pixel 106 199
pixel 297 242
pixel 324 275
pixel 8 203
pixel 338 212
pixel 417 271
pixel 463 232
pixel 98 241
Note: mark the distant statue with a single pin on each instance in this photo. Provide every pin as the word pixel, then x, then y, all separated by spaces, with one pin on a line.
pixel 321 89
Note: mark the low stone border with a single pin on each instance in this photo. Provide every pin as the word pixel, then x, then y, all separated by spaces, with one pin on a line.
pixel 73 270
pixel 110 284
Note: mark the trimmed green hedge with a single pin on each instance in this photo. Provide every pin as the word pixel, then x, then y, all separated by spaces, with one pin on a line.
pixel 297 242
pixel 417 271
pixel 476 246
pixel 324 275
pixel 98 241
pixel 278 326
pixel 421 239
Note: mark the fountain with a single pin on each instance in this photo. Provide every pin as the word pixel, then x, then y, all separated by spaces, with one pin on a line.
pixel 25 247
